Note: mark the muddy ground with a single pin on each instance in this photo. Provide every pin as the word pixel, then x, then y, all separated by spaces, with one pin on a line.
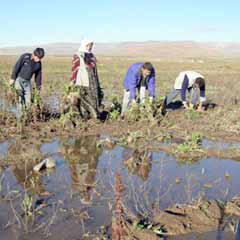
pixel 179 173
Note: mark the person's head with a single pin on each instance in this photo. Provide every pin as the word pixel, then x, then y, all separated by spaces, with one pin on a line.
pixel 147 69
pixel 199 82
pixel 86 46
pixel 89 47
pixel 38 54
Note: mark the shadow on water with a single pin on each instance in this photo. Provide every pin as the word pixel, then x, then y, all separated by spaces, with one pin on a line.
pixel 83 182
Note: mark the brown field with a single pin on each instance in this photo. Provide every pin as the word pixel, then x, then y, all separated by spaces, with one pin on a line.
pixel 184 157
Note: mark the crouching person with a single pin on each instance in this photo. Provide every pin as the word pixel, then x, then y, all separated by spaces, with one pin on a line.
pixel 27 65
pixel 85 76
pixel 193 83
pixel 140 77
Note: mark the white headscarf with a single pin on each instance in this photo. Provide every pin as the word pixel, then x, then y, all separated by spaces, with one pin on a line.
pixel 84 44
pixel 82 75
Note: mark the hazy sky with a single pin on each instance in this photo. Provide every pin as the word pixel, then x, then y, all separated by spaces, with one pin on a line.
pixel 25 22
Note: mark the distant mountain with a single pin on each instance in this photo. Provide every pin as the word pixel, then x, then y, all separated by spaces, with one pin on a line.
pixel 163 49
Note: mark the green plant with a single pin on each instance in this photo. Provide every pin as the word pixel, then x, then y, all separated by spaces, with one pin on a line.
pixel 33 181
pixel 36 97
pixel 146 224
pixel 11 94
pixel 71 116
pixel 115 109
pixel 27 205
pixel 191 114
pixel 114 115
pixel 130 138
pixel 146 111
pixel 193 144
pixel 67 89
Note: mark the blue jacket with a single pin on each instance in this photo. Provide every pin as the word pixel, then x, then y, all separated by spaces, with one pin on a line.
pixel 133 77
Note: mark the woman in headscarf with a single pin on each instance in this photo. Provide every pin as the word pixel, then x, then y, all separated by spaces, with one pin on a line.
pixel 84 74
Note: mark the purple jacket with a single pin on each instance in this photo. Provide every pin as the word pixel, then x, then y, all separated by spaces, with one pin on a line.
pixel 133 78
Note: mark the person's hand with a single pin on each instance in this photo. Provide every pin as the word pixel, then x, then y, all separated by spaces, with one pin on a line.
pixel 11 82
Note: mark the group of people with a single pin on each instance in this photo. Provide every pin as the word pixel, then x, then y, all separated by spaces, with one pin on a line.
pixel 141 77
pixel 139 80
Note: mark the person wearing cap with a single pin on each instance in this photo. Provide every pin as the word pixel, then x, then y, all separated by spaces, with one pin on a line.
pixel 140 77
pixel 27 65
pixel 192 82
pixel 85 75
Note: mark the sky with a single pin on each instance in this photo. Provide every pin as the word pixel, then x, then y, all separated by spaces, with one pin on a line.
pixel 31 22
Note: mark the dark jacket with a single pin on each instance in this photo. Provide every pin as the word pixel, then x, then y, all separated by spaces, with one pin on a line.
pixel 25 67
pixel 185 87
pixel 133 78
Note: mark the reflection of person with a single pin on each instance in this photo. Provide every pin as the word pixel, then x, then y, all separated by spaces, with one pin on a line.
pixel 82 157
pixel 141 77
pixel 84 74
pixel 192 82
pixel 32 182
pixel 140 164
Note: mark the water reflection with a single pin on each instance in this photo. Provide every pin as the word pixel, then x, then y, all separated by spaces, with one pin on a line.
pixel 3 149
pixel 148 177
pixel 27 179
pixel 140 163
pixel 82 156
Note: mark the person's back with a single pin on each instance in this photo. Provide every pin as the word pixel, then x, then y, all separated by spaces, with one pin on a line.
pixel 139 77
pixel 191 82
pixel 132 74
pixel 191 75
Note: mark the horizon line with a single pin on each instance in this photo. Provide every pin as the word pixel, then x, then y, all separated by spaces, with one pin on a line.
pixel 121 42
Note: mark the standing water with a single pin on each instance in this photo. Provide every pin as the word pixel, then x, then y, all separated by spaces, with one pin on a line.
pixel 78 195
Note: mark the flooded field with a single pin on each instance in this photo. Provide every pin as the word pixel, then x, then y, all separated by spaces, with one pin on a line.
pixel 172 177
pixel 77 197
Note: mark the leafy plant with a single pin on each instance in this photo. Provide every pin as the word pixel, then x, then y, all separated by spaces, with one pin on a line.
pixel 70 116
pixel 115 109
pixel 191 114
pixel 192 144
pixel 146 224
pixel 146 111
pixel 36 97
pixel 27 204
pixel 130 138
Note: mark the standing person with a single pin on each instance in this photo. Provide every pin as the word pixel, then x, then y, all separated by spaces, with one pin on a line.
pixel 84 75
pixel 27 65
pixel 141 77
pixel 192 82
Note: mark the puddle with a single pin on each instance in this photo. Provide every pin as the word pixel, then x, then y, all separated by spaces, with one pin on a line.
pixel 206 143
pixel 50 148
pixel 84 181
pixel 53 103
pixel 5 107
pixel 215 235
pixel 4 147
